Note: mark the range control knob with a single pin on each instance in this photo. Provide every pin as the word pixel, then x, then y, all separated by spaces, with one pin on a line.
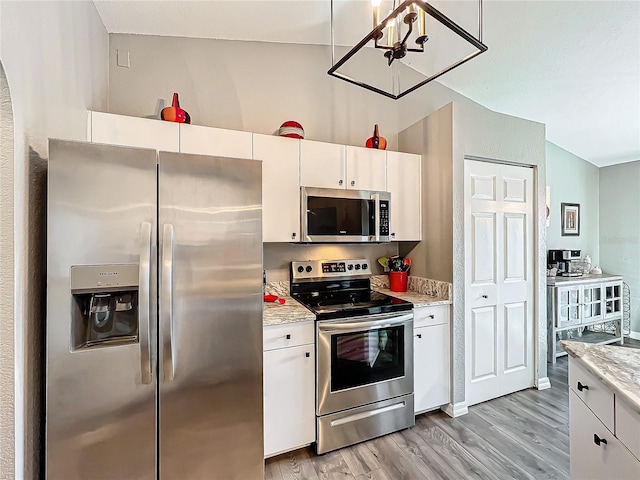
pixel 365 266
pixel 301 269
pixel 308 269
pixel 357 266
pixel 350 267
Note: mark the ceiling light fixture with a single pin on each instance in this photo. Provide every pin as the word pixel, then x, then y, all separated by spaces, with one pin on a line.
pixel 405 30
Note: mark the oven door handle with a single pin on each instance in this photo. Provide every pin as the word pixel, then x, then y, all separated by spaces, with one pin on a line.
pixel 366 325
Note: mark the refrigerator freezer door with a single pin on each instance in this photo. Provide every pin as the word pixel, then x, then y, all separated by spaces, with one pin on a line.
pixel 101 396
pixel 210 318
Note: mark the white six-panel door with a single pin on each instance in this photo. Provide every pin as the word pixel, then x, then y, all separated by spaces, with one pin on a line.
pixel 499 279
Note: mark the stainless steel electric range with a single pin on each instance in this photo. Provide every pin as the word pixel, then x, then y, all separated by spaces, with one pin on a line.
pixel 364 352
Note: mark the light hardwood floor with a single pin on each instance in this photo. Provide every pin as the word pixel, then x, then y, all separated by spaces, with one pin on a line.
pixel 524 435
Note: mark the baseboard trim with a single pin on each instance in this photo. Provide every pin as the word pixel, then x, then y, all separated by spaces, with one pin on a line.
pixel 543 383
pixel 634 335
pixel 456 409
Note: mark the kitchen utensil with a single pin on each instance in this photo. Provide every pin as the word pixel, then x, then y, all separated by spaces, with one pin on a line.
pixel 274 299
pixel 383 261
pixel 407 264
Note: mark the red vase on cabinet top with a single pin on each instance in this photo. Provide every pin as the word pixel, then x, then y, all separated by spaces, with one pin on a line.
pixel 376 141
pixel 174 113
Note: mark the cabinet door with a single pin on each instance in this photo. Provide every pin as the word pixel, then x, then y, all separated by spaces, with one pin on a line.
pixel 568 307
pixel 366 169
pixel 612 299
pixel 215 141
pixel 590 459
pixel 431 367
pixel 404 184
pixel 280 188
pixel 591 303
pixel 289 398
pixel 322 165
pixel 135 132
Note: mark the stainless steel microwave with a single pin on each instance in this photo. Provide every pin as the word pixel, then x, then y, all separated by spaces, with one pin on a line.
pixel 344 216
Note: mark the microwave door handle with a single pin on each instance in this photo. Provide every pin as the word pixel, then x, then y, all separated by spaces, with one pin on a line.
pixel 376 199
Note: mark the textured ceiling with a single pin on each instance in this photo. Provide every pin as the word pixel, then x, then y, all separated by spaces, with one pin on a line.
pixel 573 65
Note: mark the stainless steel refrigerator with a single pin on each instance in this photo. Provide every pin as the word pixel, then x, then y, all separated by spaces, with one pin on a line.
pixel 154 315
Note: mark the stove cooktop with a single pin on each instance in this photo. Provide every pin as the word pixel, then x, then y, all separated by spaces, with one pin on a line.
pixel 331 289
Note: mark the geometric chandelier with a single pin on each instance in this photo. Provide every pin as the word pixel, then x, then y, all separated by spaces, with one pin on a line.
pixel 412 46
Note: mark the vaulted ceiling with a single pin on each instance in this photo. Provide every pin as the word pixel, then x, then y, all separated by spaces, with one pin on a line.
pixel 572 64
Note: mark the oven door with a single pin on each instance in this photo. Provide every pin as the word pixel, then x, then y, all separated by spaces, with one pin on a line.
pixel 363 360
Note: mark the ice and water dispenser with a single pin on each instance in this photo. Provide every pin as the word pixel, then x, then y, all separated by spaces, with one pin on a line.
pixel 105 305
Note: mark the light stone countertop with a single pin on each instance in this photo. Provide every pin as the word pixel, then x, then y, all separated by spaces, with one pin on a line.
pixel 588 278
pixel 418 299
pixel 422 293
pixel 617 367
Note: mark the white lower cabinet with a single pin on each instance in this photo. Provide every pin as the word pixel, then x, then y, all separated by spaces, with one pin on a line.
pixel 289 398
pixel 598 451
pixel 431 354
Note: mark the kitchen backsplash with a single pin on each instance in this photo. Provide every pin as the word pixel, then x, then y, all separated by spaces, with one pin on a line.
pixel 426 286
pixel 278 256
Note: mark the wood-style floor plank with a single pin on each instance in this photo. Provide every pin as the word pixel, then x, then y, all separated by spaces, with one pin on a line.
pixel 524 435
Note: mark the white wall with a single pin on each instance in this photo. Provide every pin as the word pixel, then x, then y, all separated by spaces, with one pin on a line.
pixel 55 58
pixel 620 229
pixel 573 180
pixel 255 87
pixel 444 139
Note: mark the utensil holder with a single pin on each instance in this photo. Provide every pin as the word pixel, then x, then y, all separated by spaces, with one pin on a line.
pixel 398 281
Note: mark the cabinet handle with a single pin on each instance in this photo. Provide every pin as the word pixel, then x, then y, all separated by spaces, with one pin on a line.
pixel 582 387
pixel 340 182
pixel 288 336
pixel 432 316
pixel 293 235
pixel 419 335
pixel 307 354
pixel 597 440
pixel 353 183
pixel 393 234
pixel 484 296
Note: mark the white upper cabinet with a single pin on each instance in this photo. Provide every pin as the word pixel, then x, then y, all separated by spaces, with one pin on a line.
pixel 215 141
pixel 115 129
pixel 366 169
pixel 280 187
pixel 404 183
pixel 322 165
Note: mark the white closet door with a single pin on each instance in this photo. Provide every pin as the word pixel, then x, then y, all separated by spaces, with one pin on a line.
pixel 499 279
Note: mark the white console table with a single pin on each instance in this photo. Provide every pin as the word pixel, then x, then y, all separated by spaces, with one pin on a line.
pixel 579 309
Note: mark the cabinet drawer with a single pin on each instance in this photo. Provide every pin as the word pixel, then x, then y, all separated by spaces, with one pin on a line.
pixel 628 426
pixel 288 335
pixel 592 392
pixel 590 460
pixel 427 316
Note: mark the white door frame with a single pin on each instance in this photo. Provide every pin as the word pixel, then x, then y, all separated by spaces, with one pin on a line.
pixel 458 405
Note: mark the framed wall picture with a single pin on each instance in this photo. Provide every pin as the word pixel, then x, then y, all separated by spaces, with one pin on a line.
pixel 570 213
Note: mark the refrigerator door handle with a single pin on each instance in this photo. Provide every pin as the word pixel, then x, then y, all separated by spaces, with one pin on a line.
pixel 167 303
pixel 144 309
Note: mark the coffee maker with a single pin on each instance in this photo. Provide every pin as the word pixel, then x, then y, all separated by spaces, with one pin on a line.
pixel 563 261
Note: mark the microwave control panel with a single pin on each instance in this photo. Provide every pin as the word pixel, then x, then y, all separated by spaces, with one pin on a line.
pixel 384 218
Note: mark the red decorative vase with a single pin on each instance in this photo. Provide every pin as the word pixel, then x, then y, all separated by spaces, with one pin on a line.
pixel 376 141
pixel 174 113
